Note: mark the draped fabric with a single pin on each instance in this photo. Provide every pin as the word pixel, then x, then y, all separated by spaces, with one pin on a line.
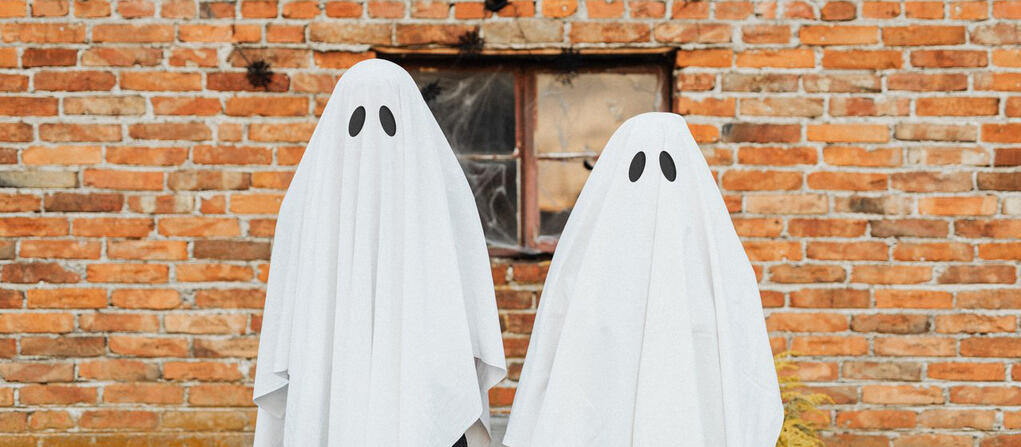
pixel 380 325
pixel 650 331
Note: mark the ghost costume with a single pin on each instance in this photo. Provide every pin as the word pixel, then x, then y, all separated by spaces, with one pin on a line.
pixel 380 325
pixel 650 332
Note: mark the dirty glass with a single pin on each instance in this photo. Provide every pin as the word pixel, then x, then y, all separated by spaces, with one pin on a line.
pixel 573 120
pixel 475 109
pixel 495 185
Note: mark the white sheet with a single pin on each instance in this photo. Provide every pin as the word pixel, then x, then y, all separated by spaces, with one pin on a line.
pixel 380 325
pixel 650 331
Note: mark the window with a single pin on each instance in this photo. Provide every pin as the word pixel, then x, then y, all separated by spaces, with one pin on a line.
pixel 527 129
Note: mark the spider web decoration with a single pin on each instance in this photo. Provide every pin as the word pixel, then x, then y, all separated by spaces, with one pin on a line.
pixel 470 43
pixel 431 91
pixel 495 5
pixel 259 74
pixel 567 64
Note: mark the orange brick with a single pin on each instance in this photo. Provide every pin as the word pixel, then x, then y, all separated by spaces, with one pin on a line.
pixel 127 273
pixel 920 299
pixel 795 58
pixel 861 59
pixel 848 133
pixel 61 249
pixel 147 393
pixel 57 394
pixel 66 298
pixel 830 345
pixel 901 395
pixel 955 206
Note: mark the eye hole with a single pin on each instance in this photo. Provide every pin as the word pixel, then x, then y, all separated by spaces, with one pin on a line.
pixel 357 121
pixel 386 119
pixel 666 163
pixel 637 166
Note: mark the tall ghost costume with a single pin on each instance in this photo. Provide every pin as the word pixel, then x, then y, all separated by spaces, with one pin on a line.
pixel 650 332
pixel 380 326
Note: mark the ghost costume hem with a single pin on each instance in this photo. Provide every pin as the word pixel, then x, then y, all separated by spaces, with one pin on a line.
pixel 650 332
pixel 380 324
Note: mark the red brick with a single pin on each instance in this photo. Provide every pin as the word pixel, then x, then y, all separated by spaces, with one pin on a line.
pixel 127 273
pixel 61 155
pixel 948 58
pixel 923 35
pixel 57 394
pixel 740 180
pixel 705 58
pixel 147 393
pixel 901 395
pixel 766 34
pixel 899 371
pixel 793 58
pixel 132 33
pixel 43 32
pixel 914 346
pixel 36 372
pixel 830 345
pixel 145 298
pixel 698 33
pixel 985 395
pixel 923 9
pixel 960 371
pixel 49 57
pixel 68 298
pixel 121 370
pixel 201 371
pixel 58 132
pixel 848 133
pixel 838 35
pixel 971 324
pixel 220 395
pixel 582 32
pixel 190 131
pixel 102 56
pixel 874 274
pixel 161 81
pixel 861 59
pixel 74 81
pixel 119 419
pixel 212 272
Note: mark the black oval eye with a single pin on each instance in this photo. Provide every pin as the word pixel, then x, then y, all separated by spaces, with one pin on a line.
pixel 357 121
pixel 637 166
pixel 386 119
pixel 666 163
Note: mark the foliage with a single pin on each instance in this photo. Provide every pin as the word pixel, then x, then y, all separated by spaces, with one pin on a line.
pixel 796 431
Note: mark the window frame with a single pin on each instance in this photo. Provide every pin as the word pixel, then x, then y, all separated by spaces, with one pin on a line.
pixel 527 64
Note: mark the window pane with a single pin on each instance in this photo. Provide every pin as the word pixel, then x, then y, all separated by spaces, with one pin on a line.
pixel 495 185
pixel 560 182
pixel 474 108
pixel 577 118
pixel 580 115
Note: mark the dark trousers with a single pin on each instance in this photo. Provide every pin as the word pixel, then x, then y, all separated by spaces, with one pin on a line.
pixel 463 442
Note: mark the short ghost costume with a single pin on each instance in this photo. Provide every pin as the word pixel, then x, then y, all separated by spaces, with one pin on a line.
pixel 380 325
pixel 650 332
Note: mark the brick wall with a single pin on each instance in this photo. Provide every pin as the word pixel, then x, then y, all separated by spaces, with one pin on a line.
pixel 864 147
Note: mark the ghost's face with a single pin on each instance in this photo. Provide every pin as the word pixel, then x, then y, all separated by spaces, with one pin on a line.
pixel 386 122
pixel 642 189
pixel 666 166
